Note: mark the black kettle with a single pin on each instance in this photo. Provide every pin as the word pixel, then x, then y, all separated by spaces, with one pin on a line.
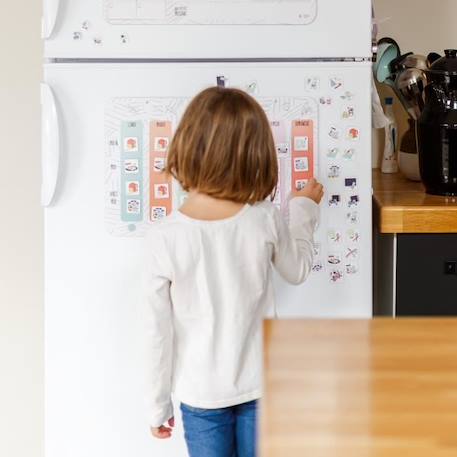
pixel 437 127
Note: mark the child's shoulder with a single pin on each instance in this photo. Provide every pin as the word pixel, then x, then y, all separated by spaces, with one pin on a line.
pixel 266 208
pixel 159 230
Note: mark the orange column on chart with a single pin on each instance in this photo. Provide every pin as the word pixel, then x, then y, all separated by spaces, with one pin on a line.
pixel 302 152
pixel 160 193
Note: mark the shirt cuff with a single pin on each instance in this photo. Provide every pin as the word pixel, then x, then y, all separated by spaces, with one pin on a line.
pixel 161 415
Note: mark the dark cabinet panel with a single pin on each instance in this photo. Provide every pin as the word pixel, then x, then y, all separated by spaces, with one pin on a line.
pixel 426 282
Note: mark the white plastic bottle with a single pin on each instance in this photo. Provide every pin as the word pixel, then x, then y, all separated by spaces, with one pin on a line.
pixel 389 159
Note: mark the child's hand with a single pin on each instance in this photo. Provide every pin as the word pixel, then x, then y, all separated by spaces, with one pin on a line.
pixel 313 190
pixel 162 432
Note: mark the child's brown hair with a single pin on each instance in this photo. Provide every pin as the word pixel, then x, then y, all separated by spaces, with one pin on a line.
pixel 224 148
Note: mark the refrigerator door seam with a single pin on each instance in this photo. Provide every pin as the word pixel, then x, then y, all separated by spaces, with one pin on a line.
pixel 212 60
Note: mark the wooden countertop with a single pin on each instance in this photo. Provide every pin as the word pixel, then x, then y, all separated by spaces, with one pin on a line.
pixel 402 206
pixel 368 388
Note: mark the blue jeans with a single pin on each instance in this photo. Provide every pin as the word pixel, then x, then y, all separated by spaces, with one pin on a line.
pixel 223 432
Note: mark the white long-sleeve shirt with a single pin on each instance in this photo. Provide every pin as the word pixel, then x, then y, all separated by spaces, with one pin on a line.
pixel 207 287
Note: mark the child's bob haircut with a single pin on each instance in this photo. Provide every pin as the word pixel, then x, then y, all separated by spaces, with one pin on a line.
pixel 224 148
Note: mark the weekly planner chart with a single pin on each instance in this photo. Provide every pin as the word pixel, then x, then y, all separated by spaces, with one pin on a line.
pixel 316 135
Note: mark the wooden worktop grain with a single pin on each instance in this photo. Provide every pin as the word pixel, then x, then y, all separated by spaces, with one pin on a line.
pixel 402 206
pixel 374 388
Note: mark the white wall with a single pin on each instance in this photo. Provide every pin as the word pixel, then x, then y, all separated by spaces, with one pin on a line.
pixel 420 26
pixel 21 306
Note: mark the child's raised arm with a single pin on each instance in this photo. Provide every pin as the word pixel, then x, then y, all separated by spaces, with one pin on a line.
pixel 293 251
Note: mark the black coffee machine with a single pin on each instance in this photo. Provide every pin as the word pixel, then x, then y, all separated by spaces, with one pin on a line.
pixel 437 127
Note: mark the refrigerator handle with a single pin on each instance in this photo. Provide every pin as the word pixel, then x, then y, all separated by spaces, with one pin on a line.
pixel 50 12
pixel 50 145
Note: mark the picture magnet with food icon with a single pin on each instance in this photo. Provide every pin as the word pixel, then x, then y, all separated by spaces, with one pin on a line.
pixel 131 166
pixel 131 144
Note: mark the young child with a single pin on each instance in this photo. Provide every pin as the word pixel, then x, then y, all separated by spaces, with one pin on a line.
pixel 209 276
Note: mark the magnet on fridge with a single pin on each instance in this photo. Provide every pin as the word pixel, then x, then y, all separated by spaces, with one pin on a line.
pixel 334 171
pixel 316 249
pixel 348 113
pixel 334 133
pixel 353 235
pixel 77 36
pixel 334 201
pixel 334 236
pixel 332 153
pixel 300 184
pixel 131 144
pixel 133 206
pixel 131 166
pixel 221 81
pixel 283 149
pixel 353 201
pixel 326 101
pixel 353 134
pixel 124 38
pixel 336 276
pixel 161 144
pixel 334 259
pixel 161 191
pixel 350 183
pixel 132 188
pixel 352 253
pixel 159 164
pixel 352 217
pixel 301 143
pixel 351 268
pixel 318 266
pixel 85 25
pixel 158 212
pixel 347 96
pixel 301 164
pixel 336 82
pixel 312 83
pixel 252 88
pixel 349 154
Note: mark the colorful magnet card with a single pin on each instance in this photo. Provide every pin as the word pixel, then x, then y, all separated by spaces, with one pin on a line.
pixel 302 151
pixel 132 171
pixel 160 192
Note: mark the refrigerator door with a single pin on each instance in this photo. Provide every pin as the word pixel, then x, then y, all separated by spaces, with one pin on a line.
pixel 115 122
pixel 168 29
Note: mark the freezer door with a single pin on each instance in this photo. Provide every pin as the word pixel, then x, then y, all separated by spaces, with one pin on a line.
pixel 168 29
pixel 105 189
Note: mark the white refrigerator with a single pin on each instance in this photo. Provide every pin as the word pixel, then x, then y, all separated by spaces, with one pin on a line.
pixel 117 77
